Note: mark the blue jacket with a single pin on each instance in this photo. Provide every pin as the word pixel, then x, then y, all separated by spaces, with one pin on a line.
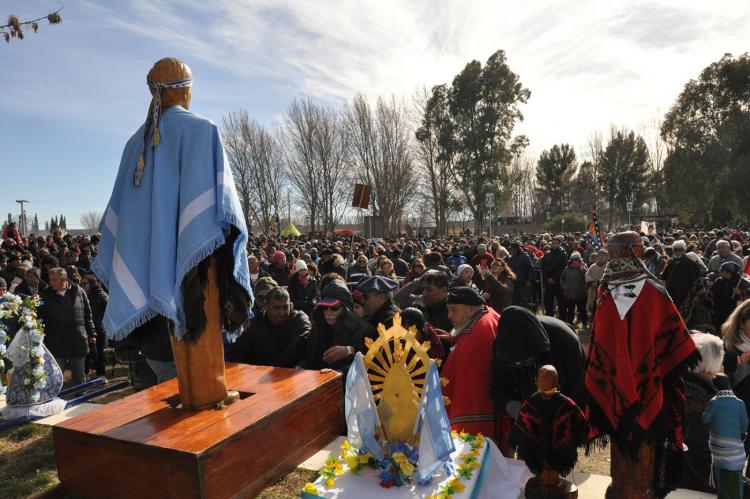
pixel 726 416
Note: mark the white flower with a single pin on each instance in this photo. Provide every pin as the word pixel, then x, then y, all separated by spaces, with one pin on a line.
pixel 35 397
pixel 2 348
pixel 26 382
pixel 35 335
pixel 37 351
pixel 40 384
pixel 38 370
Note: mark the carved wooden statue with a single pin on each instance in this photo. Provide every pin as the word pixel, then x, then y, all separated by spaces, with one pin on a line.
pixel 547 432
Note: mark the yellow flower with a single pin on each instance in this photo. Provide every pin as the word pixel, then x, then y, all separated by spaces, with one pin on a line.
pixel 457 485
pixel 310 488
pixel 330 483
pixel 338 469
pixel 463 435
pixel 352 461
pixel 345 447
pixel 454 434
pixel 474 453
pixel 365 458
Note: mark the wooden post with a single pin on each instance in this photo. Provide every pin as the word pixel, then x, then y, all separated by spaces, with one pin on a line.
pixel 632 479
pixel 200 364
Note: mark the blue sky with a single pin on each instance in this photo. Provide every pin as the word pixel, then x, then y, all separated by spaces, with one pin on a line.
pixel 72 94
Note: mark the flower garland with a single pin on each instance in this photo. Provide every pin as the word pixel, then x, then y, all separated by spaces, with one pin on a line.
pixel 465 471
pixel 399 467
pixel 34 379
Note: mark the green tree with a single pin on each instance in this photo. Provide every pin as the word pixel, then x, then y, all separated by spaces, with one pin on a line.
pixel 707 131
pixel 554 177
pixel 623 171
pixel 583 189
pixel 483 107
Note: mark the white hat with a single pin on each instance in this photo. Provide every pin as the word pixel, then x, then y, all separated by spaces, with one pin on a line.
pixel 463 267
pixel 300 265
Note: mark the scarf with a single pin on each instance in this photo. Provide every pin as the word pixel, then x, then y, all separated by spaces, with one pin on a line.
pixel 151 127
pixel 549 430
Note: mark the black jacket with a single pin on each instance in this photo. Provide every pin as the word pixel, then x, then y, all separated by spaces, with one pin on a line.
pixel 68 322
pixel 349 330
pixel 383 315
pixel 150 339
pixel 552 265
pixel 264 344
pixel 303 297
pixel 545 339
pixel 98 300
pixel 24 290
pixel 521 265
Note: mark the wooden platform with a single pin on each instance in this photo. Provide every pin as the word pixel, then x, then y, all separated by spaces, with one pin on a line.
pixel 141 446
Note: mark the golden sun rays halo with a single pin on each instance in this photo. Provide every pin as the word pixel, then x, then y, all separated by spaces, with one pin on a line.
pixel 396 366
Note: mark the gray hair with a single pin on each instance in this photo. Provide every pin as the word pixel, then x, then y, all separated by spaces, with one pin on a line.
pixel 35 271
pixel 59 272
pixel 680 244
pixel 711 349
pixel 723 243
pixel 278 293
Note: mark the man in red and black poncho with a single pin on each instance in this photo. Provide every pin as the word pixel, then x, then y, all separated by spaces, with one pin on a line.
pixel 639 349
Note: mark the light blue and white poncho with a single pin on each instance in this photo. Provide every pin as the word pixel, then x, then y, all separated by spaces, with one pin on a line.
pixel 156 232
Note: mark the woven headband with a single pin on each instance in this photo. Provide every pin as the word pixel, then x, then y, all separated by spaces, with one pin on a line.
pixel 151 130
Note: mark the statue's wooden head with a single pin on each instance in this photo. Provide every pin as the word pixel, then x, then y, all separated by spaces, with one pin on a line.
pixel 546 378
pixel 172 69
pixel 619 245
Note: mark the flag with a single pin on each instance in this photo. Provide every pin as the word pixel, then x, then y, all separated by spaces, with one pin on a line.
pixel 362 419
pixel 595 232
pixel 434 427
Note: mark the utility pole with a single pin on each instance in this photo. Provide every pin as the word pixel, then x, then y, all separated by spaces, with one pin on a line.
pixel 22 227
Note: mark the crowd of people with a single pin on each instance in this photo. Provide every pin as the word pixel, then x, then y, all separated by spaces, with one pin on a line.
pixel 317 300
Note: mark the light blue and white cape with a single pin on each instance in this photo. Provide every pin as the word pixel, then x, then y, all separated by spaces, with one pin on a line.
pixel 154 233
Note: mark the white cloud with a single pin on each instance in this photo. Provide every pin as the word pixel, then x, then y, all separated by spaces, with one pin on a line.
pixel 586 63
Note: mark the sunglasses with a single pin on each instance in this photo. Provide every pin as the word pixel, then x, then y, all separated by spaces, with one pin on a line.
pixel 334 308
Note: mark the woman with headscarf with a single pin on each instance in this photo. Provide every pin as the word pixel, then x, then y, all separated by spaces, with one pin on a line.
pixel 464 277
pixel 303 289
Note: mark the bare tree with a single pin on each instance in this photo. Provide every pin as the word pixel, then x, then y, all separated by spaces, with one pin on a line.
pixel 255 156
pixel 522 185
pixel 435 174
pixel 301 158
pixel 90 220
pixel 657 151
pixel 332 148
pixel 316 154
pixel 380 149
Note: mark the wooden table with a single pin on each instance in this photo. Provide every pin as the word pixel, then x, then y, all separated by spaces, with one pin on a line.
pixel 143 446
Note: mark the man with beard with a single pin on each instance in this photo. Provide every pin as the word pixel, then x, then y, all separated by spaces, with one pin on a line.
pixel 469 365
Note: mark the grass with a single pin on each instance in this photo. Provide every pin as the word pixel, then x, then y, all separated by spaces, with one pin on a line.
pixel 27 461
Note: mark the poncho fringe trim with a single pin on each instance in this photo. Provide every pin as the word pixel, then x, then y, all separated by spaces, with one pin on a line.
pixel 157 307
